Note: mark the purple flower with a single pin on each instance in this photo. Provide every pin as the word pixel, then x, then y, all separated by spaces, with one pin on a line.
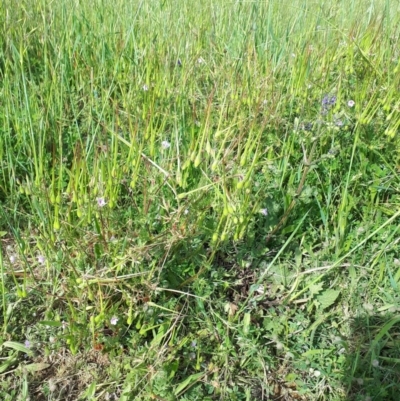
pixel 327 103
pixel 114 320
pixel 351 103
pixel 101 202
pixel 27 344
pixel 41 259
pixel 325 100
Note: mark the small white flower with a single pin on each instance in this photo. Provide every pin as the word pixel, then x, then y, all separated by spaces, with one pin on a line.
pixel 101 202
pixel 52 339
pixel 145 87
pixel 264 212
pixel 186 211
pixel 13 259
pixel 165 144
pixel 114 320
pixel 375 363
pixel 360 381
pixel 351 103
pixel 41 259
pixel 317 373
pixel 200 60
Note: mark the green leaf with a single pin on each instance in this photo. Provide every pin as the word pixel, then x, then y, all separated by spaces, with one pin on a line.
pixel 36 367
pixel 246 323
pixel 90 392
pixel 52 323
pixel 316 288
pixel 384 330
pixel 9 362
pixel 188 381
pixel 291 377
pixel 327 298
pixel 18 347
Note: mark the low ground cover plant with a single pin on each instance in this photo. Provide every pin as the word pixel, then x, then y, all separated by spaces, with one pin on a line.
pixel 199 200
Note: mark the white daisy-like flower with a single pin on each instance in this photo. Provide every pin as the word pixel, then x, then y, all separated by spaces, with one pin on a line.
pixel 165 144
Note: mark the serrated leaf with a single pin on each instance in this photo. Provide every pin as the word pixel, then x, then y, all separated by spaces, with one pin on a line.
pixel 316 288
pixel 327 298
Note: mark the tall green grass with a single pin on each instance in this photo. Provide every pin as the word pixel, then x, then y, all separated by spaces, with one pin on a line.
pixel 223 174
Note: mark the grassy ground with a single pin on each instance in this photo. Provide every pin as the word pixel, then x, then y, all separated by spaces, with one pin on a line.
pixel 199 200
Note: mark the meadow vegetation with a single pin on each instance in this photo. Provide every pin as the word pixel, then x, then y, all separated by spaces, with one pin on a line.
pixel 199 200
